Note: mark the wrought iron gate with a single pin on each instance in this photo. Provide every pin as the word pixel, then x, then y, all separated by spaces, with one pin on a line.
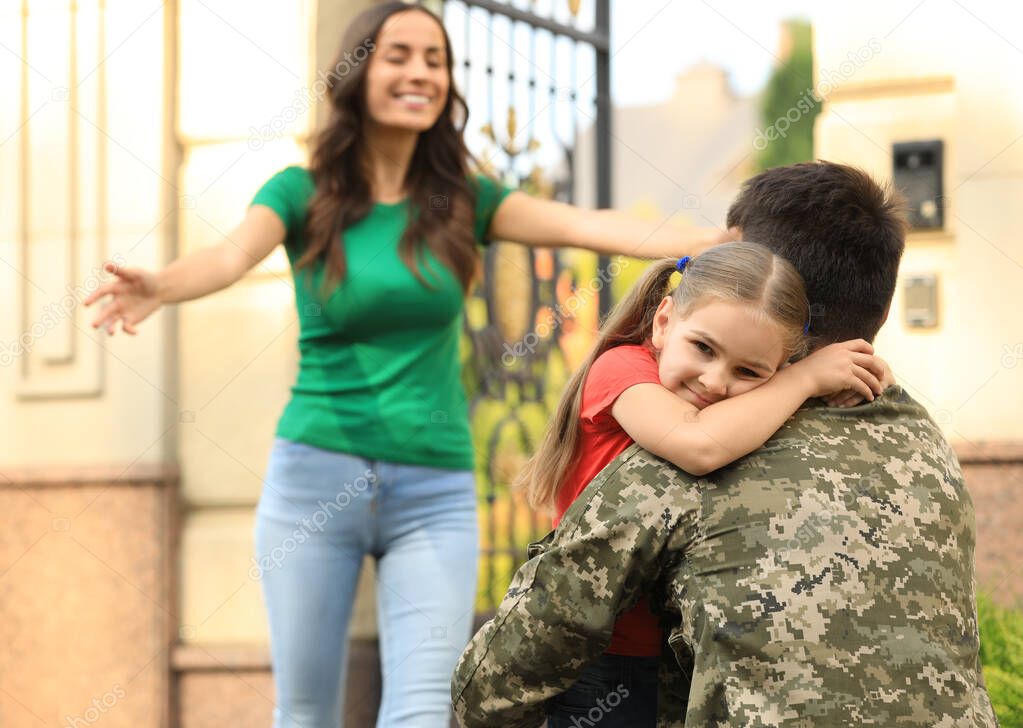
pixel 529 324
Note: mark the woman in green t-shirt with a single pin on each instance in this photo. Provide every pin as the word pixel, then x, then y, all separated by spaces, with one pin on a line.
pixel 373 453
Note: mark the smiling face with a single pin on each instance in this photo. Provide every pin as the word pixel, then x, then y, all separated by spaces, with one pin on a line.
pixel 719 350
pixel 407 80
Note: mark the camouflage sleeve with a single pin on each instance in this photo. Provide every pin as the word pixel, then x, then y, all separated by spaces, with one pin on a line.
pixel 673 683
pixel 560 609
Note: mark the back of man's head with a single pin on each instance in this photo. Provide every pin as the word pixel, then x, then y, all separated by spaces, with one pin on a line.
pixel 843 232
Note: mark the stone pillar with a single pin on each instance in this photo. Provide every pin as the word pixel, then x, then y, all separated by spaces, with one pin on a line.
pixel 88 487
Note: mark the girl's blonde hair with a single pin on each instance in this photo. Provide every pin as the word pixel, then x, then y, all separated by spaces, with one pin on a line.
pixel 736 272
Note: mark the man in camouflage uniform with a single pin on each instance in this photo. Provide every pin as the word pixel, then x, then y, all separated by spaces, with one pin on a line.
pixel 824 580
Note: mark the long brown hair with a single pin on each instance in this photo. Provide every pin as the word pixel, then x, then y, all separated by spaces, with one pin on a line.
pixel 740 272
pixel 441 198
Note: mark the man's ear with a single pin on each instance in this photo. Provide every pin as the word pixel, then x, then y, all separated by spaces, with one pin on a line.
pixel 662 318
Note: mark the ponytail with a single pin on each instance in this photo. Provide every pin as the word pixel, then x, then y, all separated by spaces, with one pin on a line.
pixel 630 322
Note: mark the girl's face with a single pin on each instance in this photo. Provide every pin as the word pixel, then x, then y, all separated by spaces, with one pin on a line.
pixel 407 78
pixel 719 350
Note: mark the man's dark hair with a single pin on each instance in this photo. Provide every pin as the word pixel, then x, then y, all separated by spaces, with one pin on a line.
pixel 842 231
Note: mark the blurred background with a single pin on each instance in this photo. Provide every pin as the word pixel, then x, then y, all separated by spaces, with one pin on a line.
pixel 138 131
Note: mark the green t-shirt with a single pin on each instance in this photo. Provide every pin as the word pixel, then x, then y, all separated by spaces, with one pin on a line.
pixel 379 373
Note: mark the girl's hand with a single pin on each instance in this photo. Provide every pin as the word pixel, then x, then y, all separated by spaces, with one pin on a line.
pixel 133 298
pixel 849 398
pixel 848 367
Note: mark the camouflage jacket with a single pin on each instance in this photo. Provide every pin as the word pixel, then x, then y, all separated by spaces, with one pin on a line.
pixel 824 580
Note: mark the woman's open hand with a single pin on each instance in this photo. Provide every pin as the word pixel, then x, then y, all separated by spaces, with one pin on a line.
pixel 133 296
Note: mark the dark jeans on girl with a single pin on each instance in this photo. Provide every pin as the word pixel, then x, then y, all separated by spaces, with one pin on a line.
pixel 613 691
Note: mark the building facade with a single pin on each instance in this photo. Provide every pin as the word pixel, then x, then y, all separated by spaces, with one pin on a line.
pixel 131 466
pixel 925 95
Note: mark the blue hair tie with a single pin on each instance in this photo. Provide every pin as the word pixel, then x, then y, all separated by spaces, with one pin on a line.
pixel 682 263
pixel 806 328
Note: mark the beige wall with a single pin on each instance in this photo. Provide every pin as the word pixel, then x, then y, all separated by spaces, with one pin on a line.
pixel 942 71
pixel 238 72
pixel 683 159
pixel 86 174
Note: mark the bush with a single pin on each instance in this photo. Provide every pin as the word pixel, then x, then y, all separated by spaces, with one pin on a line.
pixel 1001 654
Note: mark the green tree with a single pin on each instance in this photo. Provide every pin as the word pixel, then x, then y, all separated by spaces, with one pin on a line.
pixel 789 104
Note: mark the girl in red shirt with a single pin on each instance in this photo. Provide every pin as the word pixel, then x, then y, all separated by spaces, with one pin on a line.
pixel 696 375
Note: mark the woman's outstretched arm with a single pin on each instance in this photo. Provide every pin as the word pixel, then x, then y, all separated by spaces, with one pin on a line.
pixel 535 221
pixel 136 293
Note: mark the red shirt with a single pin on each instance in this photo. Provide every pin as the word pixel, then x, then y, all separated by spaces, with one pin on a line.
pixel 601 440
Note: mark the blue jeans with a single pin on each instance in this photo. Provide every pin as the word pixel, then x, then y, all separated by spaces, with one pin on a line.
pixel 319 514
pixel 613 691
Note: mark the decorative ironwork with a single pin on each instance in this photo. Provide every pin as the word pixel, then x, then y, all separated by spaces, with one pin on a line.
pixel 521 325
